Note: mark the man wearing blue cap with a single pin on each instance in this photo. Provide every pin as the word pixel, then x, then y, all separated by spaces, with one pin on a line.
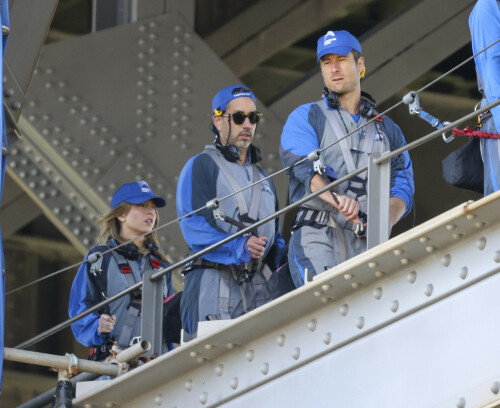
pixel 230 280
pixel 127 246
pixel 325 232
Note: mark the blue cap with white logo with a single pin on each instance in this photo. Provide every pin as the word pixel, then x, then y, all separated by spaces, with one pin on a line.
pixel 337 42
pixel 136 193
pixel 226 95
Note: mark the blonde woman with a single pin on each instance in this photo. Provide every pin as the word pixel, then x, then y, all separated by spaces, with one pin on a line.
pixel 132 217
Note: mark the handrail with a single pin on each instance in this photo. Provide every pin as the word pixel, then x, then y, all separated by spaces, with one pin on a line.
pixel 271 217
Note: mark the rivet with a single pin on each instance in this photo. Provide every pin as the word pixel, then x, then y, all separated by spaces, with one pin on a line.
pixel 324 299
pixel 412 277
pixel 430 249
pixel 231 346
pixel 201 360
pixel 423 240
pixel 398 252
pixel 281 340
pixel 219 369
pixel 347 276
pixel 327 338
pixel 296 353
pixel 463 272
pixel 326 287
pixel 428 290
pixel 344 309
pixel 405 261
pixel 249 355
pixel 203 398
pixel 495 387
pixel 312 324
pixel 471 217
pixel 233 383
pixel 188 385
pixel 193 354
pixel 360 322
pixel 355 285
pixel 496 258
pixel 446 260
pixel 457 235
pixel 481 243
pixel 8 92
pixel 451 227
pixel 209 346
pixel 394 306
pixel 372 264
pixel 377 293
pixel 480 224
pixel 461 403
pixel 379 274
pixel 16 105
pixel 264 368
pixel 158 399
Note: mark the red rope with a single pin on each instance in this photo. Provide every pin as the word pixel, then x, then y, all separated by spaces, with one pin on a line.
pixel 474 133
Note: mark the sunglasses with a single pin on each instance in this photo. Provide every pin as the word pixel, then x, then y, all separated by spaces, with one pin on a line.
pixel 239 117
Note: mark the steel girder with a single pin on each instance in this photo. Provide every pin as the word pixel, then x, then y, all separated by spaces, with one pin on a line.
pixel 399 51
pixel 123 104
pixel 30 22
pixel 412 322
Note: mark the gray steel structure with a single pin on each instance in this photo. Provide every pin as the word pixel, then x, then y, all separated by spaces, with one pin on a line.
pixel 411 322
pixel 133 102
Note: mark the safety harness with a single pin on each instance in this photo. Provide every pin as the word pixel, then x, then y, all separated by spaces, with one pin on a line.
pixel 134 309
pixel 354 157
pixel 247 215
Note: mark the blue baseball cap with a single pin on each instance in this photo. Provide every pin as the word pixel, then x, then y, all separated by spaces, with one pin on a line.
pixel 226 95
pixel 337 42
pixel 136 193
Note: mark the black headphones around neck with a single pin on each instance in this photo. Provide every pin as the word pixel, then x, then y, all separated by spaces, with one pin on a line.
pixel 232 154
pixel 132 252
pixel 366 103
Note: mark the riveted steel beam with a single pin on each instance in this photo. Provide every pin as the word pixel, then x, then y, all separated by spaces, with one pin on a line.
pixel 415 316
pixel 30 22
pixel 119 105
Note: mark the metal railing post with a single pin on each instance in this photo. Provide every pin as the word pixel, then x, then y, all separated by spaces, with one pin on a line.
pixel 378 201
pixel 152 312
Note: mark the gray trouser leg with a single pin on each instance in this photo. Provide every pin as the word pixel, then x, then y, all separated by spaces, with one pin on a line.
pixel 318 250
pixel 313 248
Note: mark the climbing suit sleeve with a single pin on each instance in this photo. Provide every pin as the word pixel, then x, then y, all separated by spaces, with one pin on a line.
pixel 84 294
pixel 197 186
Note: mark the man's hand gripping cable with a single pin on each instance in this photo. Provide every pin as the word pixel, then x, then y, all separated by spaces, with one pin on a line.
pixel 320 168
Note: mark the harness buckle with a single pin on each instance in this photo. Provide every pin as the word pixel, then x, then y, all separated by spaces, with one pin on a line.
pixel 317 159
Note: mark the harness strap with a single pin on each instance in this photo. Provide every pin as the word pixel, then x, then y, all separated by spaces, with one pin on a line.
pixel 224 293
pixel 95 270
pixel 340 238
pixel 339 133
pixel 253 212
pixel 240 198
pixel 134 309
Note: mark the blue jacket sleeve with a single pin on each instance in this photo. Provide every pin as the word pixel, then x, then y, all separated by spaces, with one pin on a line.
pixel 298 139
pixel 402 184
pixel 83 295
pixel 197 186
pixel 484 23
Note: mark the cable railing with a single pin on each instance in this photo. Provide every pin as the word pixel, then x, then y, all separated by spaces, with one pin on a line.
pixel 156 326
pixel 270 176
pixel 374 234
